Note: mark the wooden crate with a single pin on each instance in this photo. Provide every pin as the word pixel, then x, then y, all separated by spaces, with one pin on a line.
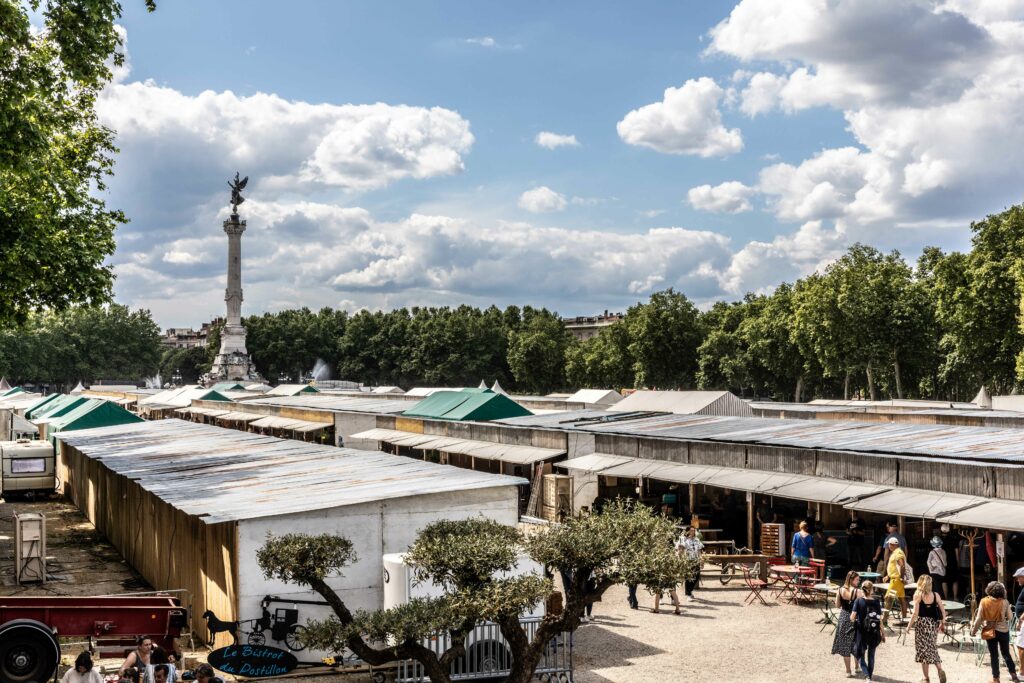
pixel 557 490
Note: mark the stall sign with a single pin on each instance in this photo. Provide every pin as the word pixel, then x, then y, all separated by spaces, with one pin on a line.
pixel 252 661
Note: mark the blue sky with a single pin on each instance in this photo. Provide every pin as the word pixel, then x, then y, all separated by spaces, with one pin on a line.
pixel 394 157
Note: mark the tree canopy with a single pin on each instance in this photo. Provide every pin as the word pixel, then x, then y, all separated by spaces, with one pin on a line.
pixel 81 344
pixel 472 562
pixel 54 155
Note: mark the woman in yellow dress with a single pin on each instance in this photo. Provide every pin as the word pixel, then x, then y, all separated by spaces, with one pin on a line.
pixel 897 565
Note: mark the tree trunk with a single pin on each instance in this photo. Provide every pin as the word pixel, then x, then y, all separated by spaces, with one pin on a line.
pixel 846 386
pixel 799 389
pixel 896 368
pixel 871 383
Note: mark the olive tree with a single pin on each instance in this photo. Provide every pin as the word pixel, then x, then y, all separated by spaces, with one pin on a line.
pixel 471 561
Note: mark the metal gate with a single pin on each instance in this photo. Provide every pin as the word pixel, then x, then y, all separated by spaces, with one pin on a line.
pixel 488 656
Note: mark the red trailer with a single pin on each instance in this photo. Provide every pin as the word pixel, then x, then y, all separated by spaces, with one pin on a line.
pixel 30 628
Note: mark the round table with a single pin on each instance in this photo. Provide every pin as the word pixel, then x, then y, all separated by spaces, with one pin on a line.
pixel 869 575
pixel 883 588
pixel 826 587
pixel 953 605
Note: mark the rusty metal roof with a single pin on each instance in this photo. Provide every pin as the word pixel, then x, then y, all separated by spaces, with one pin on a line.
pixel 221 475
pixel 334 403
pixel 979 444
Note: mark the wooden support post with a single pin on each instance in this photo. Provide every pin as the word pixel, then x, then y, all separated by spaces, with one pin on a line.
pixel 901 525
pixel 693 503
pixel 750 520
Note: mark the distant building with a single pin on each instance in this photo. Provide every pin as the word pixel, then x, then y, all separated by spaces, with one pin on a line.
pixel 187 338
pixel 588 326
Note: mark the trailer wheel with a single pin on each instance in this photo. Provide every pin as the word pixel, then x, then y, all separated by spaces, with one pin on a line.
pixel 29 652
pixel 293 638
pixel 490 656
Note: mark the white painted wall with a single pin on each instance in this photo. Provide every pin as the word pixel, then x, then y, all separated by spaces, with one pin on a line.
pixel 347 424
pixel 375 529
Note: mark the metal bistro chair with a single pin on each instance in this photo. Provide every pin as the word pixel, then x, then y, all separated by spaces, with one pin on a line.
pixel 756 585
pixel 975 643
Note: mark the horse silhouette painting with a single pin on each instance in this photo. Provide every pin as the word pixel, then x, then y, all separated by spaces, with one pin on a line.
pixel 216 626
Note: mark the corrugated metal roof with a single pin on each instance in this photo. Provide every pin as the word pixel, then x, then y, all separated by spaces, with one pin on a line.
pixel 275 422
pixel 916 503
pixel 993 514
pixel 519 455
pixel 221 475
pixel 335 403
pixel 594 462
pixel 980 444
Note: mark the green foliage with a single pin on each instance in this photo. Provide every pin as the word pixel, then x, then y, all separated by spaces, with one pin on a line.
pixel 302 559
pixel 464 553
pixel 537 351
pixel 290 342
pixel 55 156
pixel 664 336
pixel 81 344
pixel 191 363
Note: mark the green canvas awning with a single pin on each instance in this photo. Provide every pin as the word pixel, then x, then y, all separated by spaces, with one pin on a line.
pixel 94 412
pixel 57 407
pixel 472 404
pixel 30 411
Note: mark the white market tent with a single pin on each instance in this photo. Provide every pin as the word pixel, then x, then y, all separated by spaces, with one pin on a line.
pixel 595 397
pixel 685 403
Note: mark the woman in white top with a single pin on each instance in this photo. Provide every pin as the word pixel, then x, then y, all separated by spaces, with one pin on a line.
pixel 82 671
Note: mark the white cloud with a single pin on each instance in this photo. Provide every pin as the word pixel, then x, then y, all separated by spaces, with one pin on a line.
pixel 857 51
pixel 759 266
pixel 730 197
pixel 287 145
pixel 686 121
pixel 483 41
pixel 930 93
pixel 550 140
pixel 542 200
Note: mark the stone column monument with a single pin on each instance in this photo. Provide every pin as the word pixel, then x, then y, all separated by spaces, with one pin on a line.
pixel 233 362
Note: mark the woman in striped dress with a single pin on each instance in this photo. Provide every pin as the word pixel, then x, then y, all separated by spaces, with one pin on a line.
pixel 842 644
pixel 929 616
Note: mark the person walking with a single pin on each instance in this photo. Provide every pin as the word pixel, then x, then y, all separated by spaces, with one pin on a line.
pixel 993 618
pixel 691 547
pixel 842 643
pixel 937 562
pixel 631 597
pixel 802 546
pixel 866 615
pixel 82 671
pixel 949 543
pixel 928 618
pixel 895 570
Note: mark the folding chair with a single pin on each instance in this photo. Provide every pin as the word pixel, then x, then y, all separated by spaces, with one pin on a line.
pixel 819 569
pixel 756 585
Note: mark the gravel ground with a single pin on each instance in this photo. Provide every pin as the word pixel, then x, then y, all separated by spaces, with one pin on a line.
pixel 718 638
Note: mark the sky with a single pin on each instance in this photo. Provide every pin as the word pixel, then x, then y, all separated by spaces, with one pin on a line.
pixel 574 155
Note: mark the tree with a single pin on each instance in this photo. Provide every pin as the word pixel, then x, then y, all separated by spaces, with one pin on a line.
pixel 82 344
pixel 464 558
pixel 191 363
pixel 664 336
pixel 54 155
pixel 601 362
pixel 537 351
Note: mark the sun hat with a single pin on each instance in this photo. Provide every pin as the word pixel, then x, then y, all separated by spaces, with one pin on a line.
pixel 936 542
pixel 893 541
pixel 1018 573
pixel 944 528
